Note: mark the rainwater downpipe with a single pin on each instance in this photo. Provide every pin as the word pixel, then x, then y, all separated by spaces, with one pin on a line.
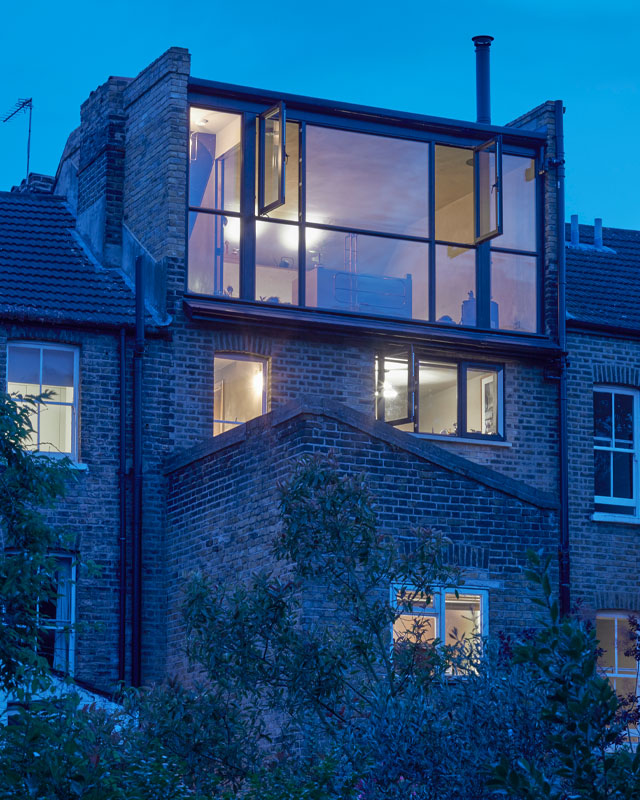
pixel 136 549
pixel 563 549
pixel 122 535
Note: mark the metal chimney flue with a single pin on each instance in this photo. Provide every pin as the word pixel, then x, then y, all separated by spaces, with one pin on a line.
pixel 483 79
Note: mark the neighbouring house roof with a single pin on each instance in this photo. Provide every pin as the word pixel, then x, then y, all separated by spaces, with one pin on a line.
pixel 603 283
pixel 46 274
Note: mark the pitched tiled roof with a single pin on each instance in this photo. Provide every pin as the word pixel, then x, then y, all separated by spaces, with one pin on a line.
pixel 45 274
pixel 603 284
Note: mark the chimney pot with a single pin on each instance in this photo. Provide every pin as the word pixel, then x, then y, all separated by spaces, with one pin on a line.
pixel 575 231
pixel 597 233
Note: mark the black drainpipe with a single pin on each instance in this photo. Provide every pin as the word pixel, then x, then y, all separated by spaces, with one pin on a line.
pixel 565 574
pixel 136 554
pixel 483 79
pixel 122 536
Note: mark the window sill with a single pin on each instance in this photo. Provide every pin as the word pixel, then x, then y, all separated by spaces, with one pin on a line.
pixel 434 437
pixel 76 465
pixel 626 519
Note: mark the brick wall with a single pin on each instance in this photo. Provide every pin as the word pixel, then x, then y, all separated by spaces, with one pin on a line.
pixel 222 505
pixel 605 558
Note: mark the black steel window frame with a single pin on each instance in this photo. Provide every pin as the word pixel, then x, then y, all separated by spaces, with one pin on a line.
pixel 250 115
pixel 414 358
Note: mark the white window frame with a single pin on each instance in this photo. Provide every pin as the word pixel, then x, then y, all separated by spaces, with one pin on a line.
pixel 605 500
pixel 41 346
pixel 71 624
pixel 438 610
pixel 232 356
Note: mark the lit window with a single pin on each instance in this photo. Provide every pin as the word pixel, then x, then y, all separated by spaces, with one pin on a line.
pixel 618 644
pixel 443 616
pixel 240 391
pixel 420 395
pixel 33 369
pixel 57 618
pixel 615 452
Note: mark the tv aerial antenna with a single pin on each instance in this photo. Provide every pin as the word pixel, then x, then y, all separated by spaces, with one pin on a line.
pixel 24 104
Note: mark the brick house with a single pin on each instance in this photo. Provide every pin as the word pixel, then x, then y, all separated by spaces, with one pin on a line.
pixel 260 276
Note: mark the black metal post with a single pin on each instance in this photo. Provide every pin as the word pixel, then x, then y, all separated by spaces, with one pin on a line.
pixel 136 554
pixel 122 537
pixel 483 78
pixel 564 556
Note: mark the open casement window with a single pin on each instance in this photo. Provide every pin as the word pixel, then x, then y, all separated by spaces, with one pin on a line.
pixel 487 178
pixel 271 158
pixel 615 453
pixel 395 388
pixel 418 394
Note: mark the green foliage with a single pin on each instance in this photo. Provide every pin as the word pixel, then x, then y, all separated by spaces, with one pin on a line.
pixel 28 486
pixel 584 733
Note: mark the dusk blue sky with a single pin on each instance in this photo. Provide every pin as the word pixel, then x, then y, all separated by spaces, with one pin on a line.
pixel 410 56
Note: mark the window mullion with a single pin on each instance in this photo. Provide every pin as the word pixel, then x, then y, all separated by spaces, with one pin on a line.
pixel 431 279
pixel 247 209
pixel 462 399
pixel 302 213
pixel 483 285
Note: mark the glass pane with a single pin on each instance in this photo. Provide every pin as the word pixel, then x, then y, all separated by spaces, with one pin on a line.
pixel 276 263
pixel 368 274
pixel 31 442
pixel 626 643
pixel 623 475
pixel 455 285
pixel 414 628
pixel 625 686
pixel 361 181
pixel 623 410
pixel 605 633
pixel 482 402
pixel 416 600
pixel 289 210
pixel 602 415
pixel 462 616
pixel 57 374
pixel 514 292
pixel 519 206
pixel 24 367
pixel 438 398
pixel 214 159
pixel 602 473
pixel 55 428
pixel 214 254
pixel 238 393
pixel 454 194
pixel 487 188
pixel 396 389
pixel 272 157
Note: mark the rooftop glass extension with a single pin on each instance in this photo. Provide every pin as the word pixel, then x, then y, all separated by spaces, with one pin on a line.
pixel 405 227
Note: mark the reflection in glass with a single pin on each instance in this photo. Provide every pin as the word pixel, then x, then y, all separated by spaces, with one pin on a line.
pixel 482 402
pixel 56 616
pixel 419 623
pixel 622 471
pixel 289 210
pixel 519 205
pixel 276 263
pixel 395 389
pixel 214 254
pixel 602 415
pixel 214 159
pixel 454 194
pixel 367 274
pixel 487 188
pixel 438 398
pixel 514 289
pixel 462 616
pixel 455 285
pixel 272 157
pixel 356 180
pixel 239 392
pixel 623 410
pixel 602 473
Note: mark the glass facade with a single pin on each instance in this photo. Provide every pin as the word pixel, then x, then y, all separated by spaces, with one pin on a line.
pixel 364 223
